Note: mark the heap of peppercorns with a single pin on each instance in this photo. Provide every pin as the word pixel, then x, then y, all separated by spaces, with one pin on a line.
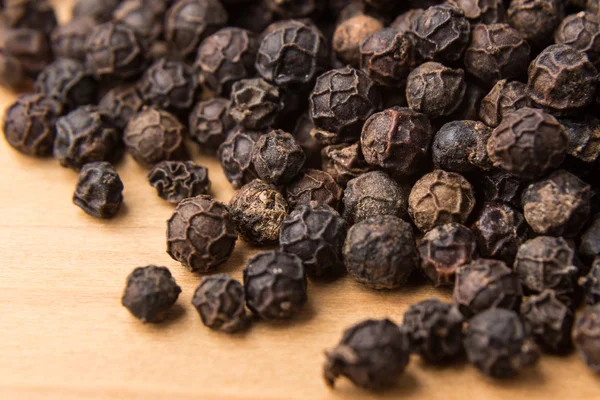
pixel 456 139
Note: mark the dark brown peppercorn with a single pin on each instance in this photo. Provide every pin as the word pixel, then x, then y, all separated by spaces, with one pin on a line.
pixel 30 14
pixel 485 284
pixel 188 22
pixel 528 143
pixel 210 123
pixel 296 8
pixel 500 229
pixel 178 180
pixel 99 190
pixel 350 34
pixel 591 283
pixel 589 245
pixel 170 85
pixel 499 344
pixel 235 155
pixel 435 90
pixel 255 103
pixel 550 321
pixel 85 135
pixel 435 330
pixel 581 31
pixel 558 205
pixel 143 16
pixel 254 16
pixel 371 354
pixel 536 20
pixel 397 139
pixel 277 157
pixel 459 146
pixel 220 301
pixel 154 135
pixel 316 234
pixel 100 11
pixel 496 52
pixel 380 252
pixel 444 250
pixel 68 41
pixel 344 162
pixel 504 98
pixel 562 79
pixel 30 124
pixel 313 186
pixel 439 198
pixel 122 102
pixel 407 20
pixel 482 11
pixel 30 47
pixel 500 186
pixel 340 103
pixel 150 292
pixel 584 140
pixel 275 285
pixel 586 336
pixel 201 234
pixel 258 210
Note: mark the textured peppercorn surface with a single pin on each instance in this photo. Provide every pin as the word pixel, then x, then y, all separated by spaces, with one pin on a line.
pixel 482 11
pixel 150 292
pixel 460 146
pixel 201 234
pixel 178 180
pixel 388 57
pixel 122 102
pixel 145 17
pixel 220 302
pixel 584 141
pixel 99 190
pixel 504 98
pixel 586 336
pixel 581 31
pixel 349 35
pixel 500 186
pixel 499 344
pixel 171 85
pixel 372 355
pixel 210 123
pixel 68 40
pixel 313 186
pixel 255 103
pixel 536 20
pixel 277 157
pixel 275 285
pixel 235 155
pixel 344 162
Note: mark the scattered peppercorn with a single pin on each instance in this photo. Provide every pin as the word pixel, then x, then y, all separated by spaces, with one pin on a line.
pixel 99 190
pixel 388 57
pixel 344 162
pixel 350 34
pixel 255 103
pixel 460 146
pixel 122 102
pixel 210 123
pixel 178 180
pixel 68 40
pixel 277 157
pixel 536 20
pixel 586 336
pixel 313 187
pixel 504 98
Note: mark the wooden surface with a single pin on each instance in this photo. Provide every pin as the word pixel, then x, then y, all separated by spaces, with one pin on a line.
pixel 64 334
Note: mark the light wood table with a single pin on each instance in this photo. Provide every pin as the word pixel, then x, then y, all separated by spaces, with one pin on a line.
pixel 65 335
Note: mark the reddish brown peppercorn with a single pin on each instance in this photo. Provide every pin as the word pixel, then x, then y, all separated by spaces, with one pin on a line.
pixel 68 41
pixel 122 102
pixel 536 20
pixel 210 123
pixel 459 146
pixel 586 336
pixel 255 103
pixel 277 157
pixel 99 190
pixel 350 34
pixel 235 155
pixel 314 187
pixel 344 162
pixel 581 31
pixel 170 85
pixel 178 180
pixel 30 47
pixel 504 98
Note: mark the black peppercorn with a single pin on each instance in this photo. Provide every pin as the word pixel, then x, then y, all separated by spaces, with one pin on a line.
pixel 220 301
pixel 201 234
pixel 235 155
pixel 482 11
pixel 178 180
pixel 150 292
pixel 170 85
pixel 29 14
pixel 344 162
pixel 85 135
pixel 145 17
pixel 253 16
pixel 444 250
pixel 499 344
pixel 380 252
pixel 589 241
pixel 536 20
pixel 100 11
pixel 122 102
pixel 460 146
pixel 99 190
pixel 435 330
pixel 209 123
pixel 30 47
pixel 504 98
pixel 581 31
pixel 591 283
pixel 499 186
pixel 350 34
pixel 315 187
pixel 485 284
pixel 255 103
pixel 371 354
pixel 68 41
pixel 586 336
pixel 277 157
pixel 275 285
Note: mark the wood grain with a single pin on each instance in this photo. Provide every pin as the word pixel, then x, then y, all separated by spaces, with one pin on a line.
pixel 64 334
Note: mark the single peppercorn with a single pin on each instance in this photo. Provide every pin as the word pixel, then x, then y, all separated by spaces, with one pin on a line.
pixel 275 285
pixel 581 31
pixel 380 252
pixel 255 103
pixel 30 47
pixel 258 210
pixel 315 187
pixel 150 292
pixel 340 103
pixel 68 41
pixel 235 155
pixel 484 284
pixel 311 146
pixel 536 20
pixel 499 344
pixel 397 139
pixel 344 162
pixel 591 283
pixel 589 241
pixel 562 79
pixel 85 135
pixel 434 330
pixel 145 17
pixel 459 146
pixel 99 190
pixel 209 123
pixel 504 98
pixel 499 186
pixel 178 180
pixel 584 141
pixel 29 14
pixel 30 124
pixel 444 250
pixel 558 205
pixel 154 135
pixel 439 198
pixel 170 85
pixel 220 302
pixel 201 234
pixel 122 102
pixel 586 336
pixel 528 143
pixel 371 354
pixel 482 11
pixel 100 11
pixel 350 34
pixel 435 89
pixel 277 157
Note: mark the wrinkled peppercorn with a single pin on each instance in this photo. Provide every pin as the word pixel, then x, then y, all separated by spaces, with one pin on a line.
pixel 277 157
pixel 344 162
pixel 439 198
pixel 178 180
pixel 499 186
pixel 499 344
pixel 435 330
pixel 591 283
pixel 30 14
pixel 350 34
pixel 235 155
pixel 558 205
pixel 459 146
pixel 397 139
pixel 255 103
pixel 550 321
pixel 220 301
pixel 258 210
pixel 435 90
pixel 444 250
pixel 150 292
pixel 504 98
pixel 143 16
pixel 581 31
pixel 536 20
pixel 154 135
pixel 275 285
pixel 528 143
pixel 30 47
pixel 201 234
pixel 380 252
pixel 482 11
pixel 340 103
pixel 589 244
pixel 85 135
pixel 68 41
pixel 100 11
pixel 171 85
pixel 99 190
pixel 122 102
pixel 314 187
pixel 30 124
pixel 210 123
pixel 371 354
pixel 586 336
pixel 485 284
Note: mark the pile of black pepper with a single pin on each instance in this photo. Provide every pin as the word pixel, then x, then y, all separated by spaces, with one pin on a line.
pixel 453 139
